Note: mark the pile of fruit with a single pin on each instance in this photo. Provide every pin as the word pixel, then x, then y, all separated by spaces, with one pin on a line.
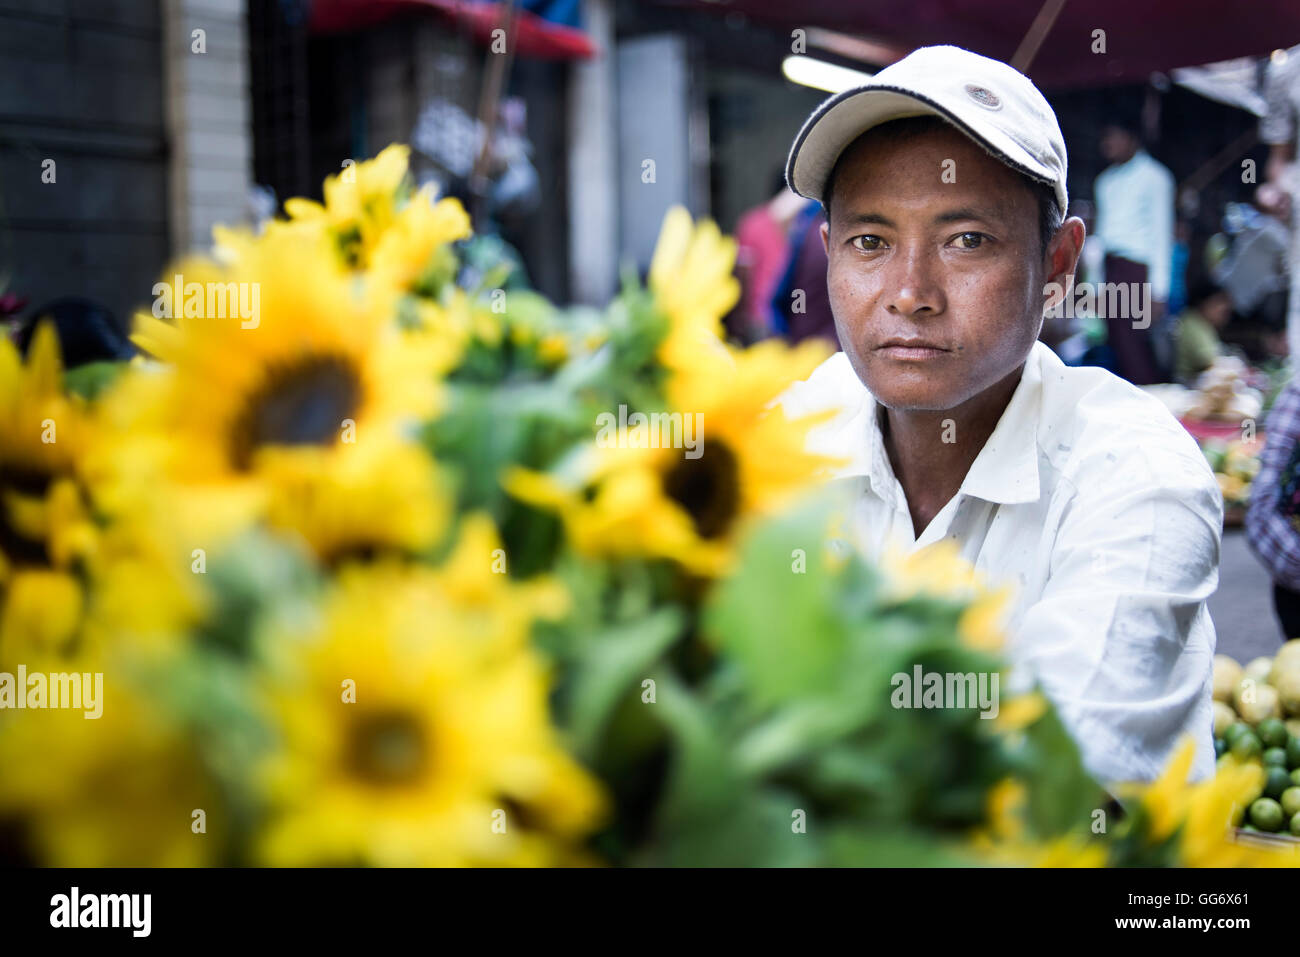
pixel 1223 393
pixel 1235 464
pixel 1257 718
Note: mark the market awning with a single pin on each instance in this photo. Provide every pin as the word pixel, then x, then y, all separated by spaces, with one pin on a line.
pixel 544 29
pixel 1140 36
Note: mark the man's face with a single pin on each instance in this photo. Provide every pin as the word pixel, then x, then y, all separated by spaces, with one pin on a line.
pixel 1117 144
pixel 936 281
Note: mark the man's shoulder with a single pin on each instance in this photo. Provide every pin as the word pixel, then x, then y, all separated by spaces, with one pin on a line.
pixel 1096 426
pixel 832 385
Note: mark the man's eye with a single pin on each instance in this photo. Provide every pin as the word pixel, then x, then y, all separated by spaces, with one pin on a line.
pixel 971 240
pixel 868 243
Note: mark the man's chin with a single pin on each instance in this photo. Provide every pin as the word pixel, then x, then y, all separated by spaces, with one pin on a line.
pixel 912 391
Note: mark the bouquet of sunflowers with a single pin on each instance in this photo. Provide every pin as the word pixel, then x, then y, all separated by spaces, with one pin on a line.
pixel 371 559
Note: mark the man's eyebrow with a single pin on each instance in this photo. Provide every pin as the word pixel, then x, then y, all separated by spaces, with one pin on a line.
pixel 866 219
pixel 984 214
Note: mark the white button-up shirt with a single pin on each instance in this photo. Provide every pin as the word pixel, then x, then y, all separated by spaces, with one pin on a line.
pixel 1099 510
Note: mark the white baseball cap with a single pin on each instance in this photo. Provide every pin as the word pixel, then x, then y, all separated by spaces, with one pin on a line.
pixel 994 104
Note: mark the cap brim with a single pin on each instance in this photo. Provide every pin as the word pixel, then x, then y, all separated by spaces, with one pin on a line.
pixel 845 117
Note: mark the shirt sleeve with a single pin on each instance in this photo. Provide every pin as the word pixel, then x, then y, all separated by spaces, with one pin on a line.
pixel 1270 536
pixel 1121 639
pixel 1279 121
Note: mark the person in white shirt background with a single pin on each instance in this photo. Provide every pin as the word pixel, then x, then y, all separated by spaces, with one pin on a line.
pixel 1135 229
pixel 955 422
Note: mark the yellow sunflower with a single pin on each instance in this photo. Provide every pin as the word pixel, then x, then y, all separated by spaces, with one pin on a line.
pixel 320 365
pixel 939 571
pixel 682 503
pixel 361 203
pixel 692 284
pixel 115 791
pixel 44 528
pixel 359 501
pixel 404 251
pixel 410 737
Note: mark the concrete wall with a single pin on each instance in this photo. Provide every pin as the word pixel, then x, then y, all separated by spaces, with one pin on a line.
pixel 207 114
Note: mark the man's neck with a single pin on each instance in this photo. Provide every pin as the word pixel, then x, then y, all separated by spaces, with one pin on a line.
pixel 931 451
pixel 1124 161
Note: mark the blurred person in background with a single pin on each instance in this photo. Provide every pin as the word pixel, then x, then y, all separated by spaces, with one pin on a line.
pixel 1278 128
pixel 1196 331
pixel 801 301
pixel 1135 229
pixel 1254 272
pixel 1273 515
pixel 762 254
pixel 87 331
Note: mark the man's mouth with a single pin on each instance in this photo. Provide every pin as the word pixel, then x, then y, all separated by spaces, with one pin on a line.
pixel 911 350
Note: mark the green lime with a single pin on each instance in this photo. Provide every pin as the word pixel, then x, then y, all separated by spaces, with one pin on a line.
pixel 1295 825
pixel 1293 753
pixel 1250 827
pixel 1290 801
pixel 1275 757
pixel 1276 782
pixel 1272 732
pixel 1220 747
pixel 1246 746
pixel 1235 731
pixel 1266 814
pixel 1295 777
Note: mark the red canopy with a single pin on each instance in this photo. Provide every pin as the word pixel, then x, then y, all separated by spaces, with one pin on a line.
pixel 534 36
pixel 1141 36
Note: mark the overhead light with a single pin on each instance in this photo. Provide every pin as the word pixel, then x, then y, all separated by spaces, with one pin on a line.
pixel 1279 57
pixel 821 75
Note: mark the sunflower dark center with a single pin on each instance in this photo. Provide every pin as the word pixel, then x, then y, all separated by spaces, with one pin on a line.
pixel 387 748
pixel 16 547
pixel 708 488
pixel 303 403
pixel 26 480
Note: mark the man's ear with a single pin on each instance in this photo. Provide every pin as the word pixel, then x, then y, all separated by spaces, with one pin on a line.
pixel 1062 256
pixel 826 237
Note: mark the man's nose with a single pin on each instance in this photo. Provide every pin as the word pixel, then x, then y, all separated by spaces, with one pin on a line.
pixel 913 287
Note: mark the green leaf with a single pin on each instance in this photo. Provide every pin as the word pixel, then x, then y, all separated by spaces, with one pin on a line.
pixel 1061 794
pixel 89 380
pixel 613 665
pixel 777 614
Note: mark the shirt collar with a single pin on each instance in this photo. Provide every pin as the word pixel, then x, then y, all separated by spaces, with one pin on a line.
pixel 1004 472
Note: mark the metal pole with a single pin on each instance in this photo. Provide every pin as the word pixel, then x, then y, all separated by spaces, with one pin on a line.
pixel 494 81
pixel 1037 33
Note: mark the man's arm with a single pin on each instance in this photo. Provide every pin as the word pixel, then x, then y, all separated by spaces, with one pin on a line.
pixel 1121 640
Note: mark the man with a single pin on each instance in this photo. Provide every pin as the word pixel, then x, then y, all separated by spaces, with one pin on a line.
pixel 1135 227
pixel 943 179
